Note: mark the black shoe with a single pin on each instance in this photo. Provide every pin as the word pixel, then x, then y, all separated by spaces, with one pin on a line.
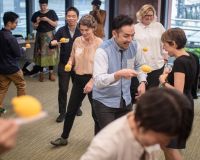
pixel 59 142
pixel 79 112
pixel 60 118
pixel 2 111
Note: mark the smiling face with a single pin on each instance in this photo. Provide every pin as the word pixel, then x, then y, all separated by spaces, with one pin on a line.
pixel 71 18
pixel 124 36
pixel 86 32
pixel 148 17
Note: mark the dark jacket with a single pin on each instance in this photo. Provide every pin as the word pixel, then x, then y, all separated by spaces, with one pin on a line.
pixel 65 49
pixel 10 52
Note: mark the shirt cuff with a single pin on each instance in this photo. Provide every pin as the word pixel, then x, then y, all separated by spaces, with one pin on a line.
pixel 142 77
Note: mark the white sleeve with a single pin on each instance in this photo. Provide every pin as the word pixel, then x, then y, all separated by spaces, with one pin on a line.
pixel 100 70
pixel 100 150
pixel 139 61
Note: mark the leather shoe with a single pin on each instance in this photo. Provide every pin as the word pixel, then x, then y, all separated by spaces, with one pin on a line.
pixel 60 118
pixel 59 142
pixel 79 112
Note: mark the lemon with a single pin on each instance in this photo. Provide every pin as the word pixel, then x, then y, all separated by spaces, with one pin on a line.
pixel 28 45
pixel 146 68
pixel 26 106
pixel 68 67
pixel 64 40
pixel 145 49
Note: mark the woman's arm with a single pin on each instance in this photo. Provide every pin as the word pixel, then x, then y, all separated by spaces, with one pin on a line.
pixel 179 81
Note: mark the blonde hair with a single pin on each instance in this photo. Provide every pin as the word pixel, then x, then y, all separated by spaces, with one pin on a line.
pixel 144 10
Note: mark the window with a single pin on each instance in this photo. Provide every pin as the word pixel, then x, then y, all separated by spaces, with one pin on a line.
pixel 186 15
pixel 84 6
pixel 58 6
pixel 17 7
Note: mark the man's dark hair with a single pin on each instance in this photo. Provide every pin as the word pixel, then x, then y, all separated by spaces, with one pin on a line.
pixel 72 9
pixel 96 3
pixel 43 1
pixel 9 17
pixel 120 21
pixel 165 111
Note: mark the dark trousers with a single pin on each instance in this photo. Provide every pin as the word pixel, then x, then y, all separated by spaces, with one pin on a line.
pixel 75 100
pixel 63 83
pixel 105 114
pixel 152 80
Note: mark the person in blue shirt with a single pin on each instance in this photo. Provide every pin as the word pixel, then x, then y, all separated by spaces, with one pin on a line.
pixel 116 62
pixel 10 52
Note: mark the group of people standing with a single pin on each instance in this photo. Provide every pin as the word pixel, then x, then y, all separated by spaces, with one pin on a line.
pixel 109 73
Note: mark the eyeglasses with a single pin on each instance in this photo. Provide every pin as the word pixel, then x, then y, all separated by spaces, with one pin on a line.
pixel 149 15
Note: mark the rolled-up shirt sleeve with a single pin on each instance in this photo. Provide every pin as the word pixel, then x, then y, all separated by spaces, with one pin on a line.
pixel 100 71
pixel 139 61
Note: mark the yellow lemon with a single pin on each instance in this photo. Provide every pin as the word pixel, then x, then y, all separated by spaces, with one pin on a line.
pixel 145 49
pixel 64 40
pixel 68 67
pixel 26 106
pixel 28 45
pixel 146 68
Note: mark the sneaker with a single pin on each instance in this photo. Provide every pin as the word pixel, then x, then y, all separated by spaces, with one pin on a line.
pixel 59 142
pixel 79 112
pixel 60 118
pixel 2 110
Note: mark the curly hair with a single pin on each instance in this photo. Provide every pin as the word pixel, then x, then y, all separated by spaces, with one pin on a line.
pixel 89 21
pixel 144 10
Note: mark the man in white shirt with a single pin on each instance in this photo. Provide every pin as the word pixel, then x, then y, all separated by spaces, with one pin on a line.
pixel 135 135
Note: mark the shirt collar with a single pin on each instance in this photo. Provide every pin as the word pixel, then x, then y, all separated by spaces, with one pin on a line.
pixel 116 46
pixel 143 26
pixel 3 29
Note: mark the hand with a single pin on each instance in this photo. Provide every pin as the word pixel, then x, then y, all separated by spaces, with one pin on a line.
pixel 38 20
pixel 141 90
pixel 88 87
pixel 44 19
pixel 54 43
pixel 8 132
pixel 126 73
pixel 163 78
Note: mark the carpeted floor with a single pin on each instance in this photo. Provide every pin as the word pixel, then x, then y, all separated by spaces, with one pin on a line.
pixel 33 139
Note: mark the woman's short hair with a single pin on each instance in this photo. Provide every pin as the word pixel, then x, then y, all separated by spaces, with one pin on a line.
pixel 89 21
pixel 144 10
pixel 176 35
pixel 166 111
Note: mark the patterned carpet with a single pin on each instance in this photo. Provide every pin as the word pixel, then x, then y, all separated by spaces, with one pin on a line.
pixel 33 139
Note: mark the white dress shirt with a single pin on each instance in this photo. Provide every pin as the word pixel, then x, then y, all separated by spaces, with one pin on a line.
pixel 149 38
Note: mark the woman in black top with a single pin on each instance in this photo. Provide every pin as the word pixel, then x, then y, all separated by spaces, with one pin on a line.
pixel 45 21
pixel 181 78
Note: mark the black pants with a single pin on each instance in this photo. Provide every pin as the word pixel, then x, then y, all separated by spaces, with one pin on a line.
pixel 63 83
pixel 75 100
pixel 105 114
pixel 152 79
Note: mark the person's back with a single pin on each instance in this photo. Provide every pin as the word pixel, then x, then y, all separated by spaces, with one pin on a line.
pixel 9 52
pixel 135 135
